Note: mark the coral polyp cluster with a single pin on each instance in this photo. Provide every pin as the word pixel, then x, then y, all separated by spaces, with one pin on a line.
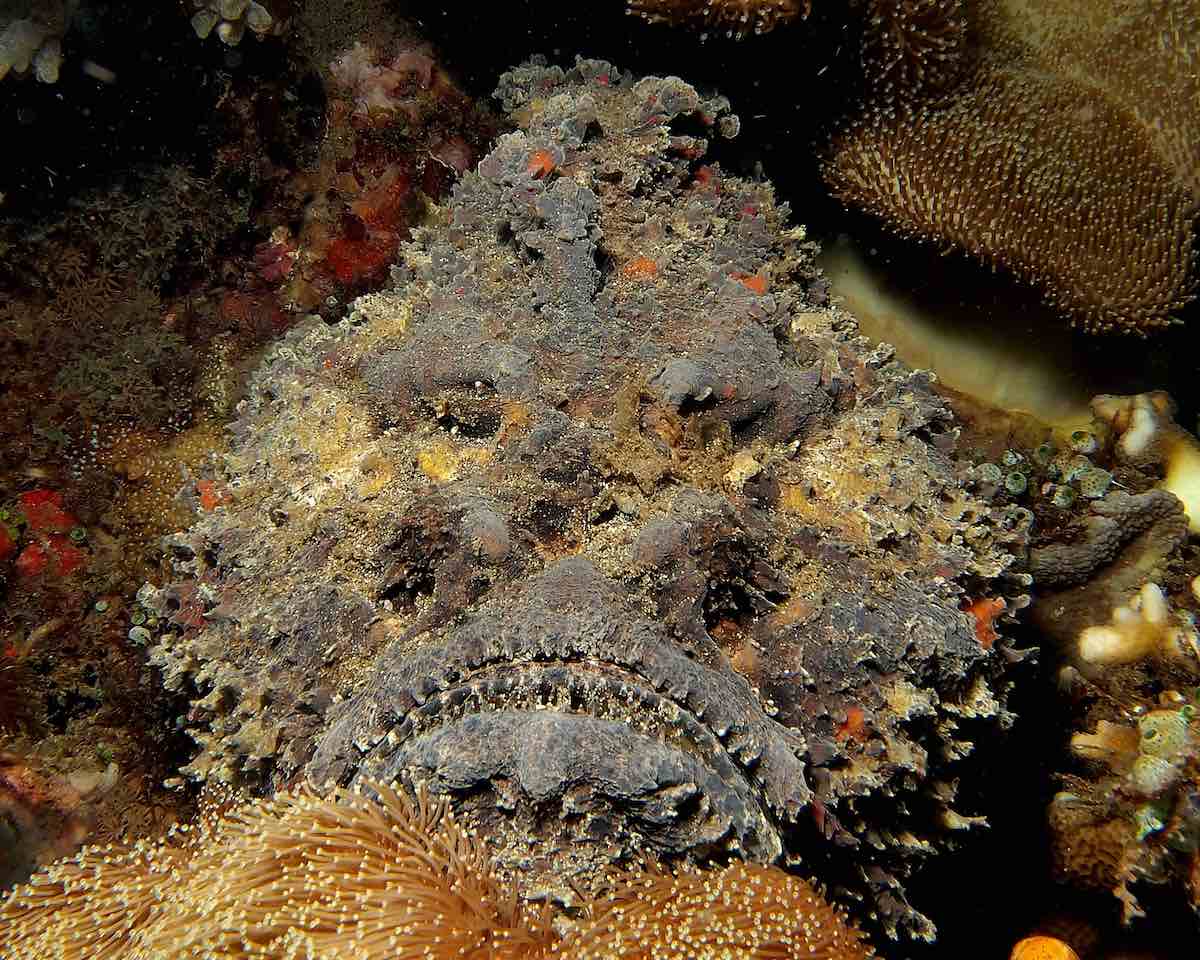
pixel 373 874
pixel 1028 112
pixel 230 19
pixel 1138 821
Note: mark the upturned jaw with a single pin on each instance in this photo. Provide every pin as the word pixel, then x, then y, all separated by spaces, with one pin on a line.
pixel 564 698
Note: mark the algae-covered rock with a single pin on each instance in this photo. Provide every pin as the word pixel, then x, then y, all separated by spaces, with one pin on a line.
pixel 599 524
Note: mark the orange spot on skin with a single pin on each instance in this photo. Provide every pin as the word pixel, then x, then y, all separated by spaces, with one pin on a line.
pixel 541 162
pixel 210 496
pixel 985 610
pixel 854 727
pixel 755 282
pixel 517 421
pixel 640 268
pixel 704 176
pixel 44 511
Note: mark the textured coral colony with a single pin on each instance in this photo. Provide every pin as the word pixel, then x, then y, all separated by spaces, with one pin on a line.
pixel 542 563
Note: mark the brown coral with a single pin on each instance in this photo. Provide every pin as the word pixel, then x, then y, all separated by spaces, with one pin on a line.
pixel 912 46
pixel 1053 159
pixel 343 876
pixel 354 877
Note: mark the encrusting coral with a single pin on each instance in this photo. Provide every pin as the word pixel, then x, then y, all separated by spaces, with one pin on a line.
pixel 373 874
pixel 1115 597
pixel 1110 524
pixel 1119 594
pixel 1133 816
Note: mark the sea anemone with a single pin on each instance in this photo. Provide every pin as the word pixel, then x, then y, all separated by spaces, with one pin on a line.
pixel 371 874
pixel 745 910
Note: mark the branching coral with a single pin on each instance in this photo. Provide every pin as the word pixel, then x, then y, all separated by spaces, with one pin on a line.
pixel 360 876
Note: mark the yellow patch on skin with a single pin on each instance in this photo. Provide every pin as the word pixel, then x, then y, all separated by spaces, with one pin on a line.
pixel 377 473
pixel 517 420
pixel 792 498
pixel 441 461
